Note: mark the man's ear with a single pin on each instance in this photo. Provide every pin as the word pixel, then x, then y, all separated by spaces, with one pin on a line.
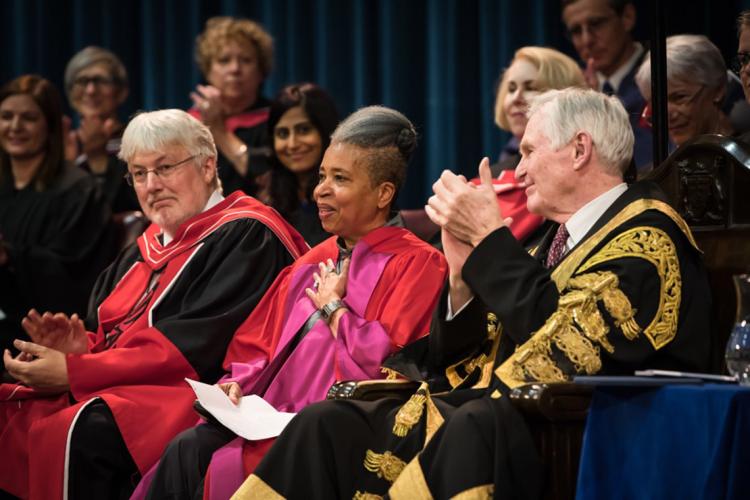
pixel 386 193
pixel 628 17
pixel 583 148
pixel 209 170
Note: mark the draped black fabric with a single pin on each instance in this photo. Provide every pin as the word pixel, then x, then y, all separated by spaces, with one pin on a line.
pixel 435 60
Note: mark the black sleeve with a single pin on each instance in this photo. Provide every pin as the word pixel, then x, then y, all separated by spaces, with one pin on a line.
pixel 451 341
pixel 58 270
pixel 222 285
pixel 511 283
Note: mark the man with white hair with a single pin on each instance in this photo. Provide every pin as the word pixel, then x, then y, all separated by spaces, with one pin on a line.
pixel 617 286
pixel 93 408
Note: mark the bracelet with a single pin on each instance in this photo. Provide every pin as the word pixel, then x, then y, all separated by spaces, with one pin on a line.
pixel 327 310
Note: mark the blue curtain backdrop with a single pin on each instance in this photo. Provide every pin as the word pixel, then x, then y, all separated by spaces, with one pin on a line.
pixel 437 61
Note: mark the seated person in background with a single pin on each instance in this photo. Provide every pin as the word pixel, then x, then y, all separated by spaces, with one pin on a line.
pixel 302 119
pixel 696 86
pixel 92 409
pixel 740 115
pixel 96 83
pixel 335 314
pixel 600 31
pixel 235 57
pixel 52 216
pixel 532 71
pixel 618 286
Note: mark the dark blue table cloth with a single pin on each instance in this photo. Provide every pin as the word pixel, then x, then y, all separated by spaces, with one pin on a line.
pixel 672 442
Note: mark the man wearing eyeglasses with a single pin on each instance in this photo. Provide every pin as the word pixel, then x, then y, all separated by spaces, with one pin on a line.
pixel 600 31
pixel 94 409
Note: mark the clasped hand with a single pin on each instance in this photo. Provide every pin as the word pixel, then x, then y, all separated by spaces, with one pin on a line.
pixel 329 285
pixel 41 363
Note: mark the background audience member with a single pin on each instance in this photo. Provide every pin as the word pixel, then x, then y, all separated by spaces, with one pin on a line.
pixel 739 116
pixel 600 31
pixel 302 119
pixel 696 86
pixel 52 215
pixel 532 71
pixel 235 56
pixel 96 83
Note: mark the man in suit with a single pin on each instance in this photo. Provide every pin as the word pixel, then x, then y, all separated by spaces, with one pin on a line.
pixel 600 31
pixel 617 286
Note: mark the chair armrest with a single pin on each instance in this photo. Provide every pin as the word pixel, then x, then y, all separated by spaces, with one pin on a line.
pixel 370 390
pixel 563 402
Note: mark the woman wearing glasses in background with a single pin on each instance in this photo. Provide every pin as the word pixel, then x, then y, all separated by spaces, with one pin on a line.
pixel 52 217
pixel 696 88
pixel 97 84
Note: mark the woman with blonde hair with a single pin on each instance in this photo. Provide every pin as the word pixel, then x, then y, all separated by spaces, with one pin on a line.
pixel 533 70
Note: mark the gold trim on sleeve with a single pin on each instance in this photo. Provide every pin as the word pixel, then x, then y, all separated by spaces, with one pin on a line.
pixel 363 495
pixel 411 484
pixel 577 329
pixel 485 360
pixel 655 246
pixel 410 413
pixel 385 465
pixel 255 487
pixel 483 492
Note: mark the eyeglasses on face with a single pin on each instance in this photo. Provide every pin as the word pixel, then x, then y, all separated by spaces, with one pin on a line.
pixel 139 175
pixel 98 81
pixel 593 26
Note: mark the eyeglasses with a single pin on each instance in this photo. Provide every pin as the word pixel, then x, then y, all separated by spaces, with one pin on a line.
pixel 138 177
pixel 593 26
pixel 740 61
pixel 98 81
pixel 678 99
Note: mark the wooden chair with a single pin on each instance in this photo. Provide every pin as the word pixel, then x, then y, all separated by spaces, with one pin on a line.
pixel 707 180
pixel 128 226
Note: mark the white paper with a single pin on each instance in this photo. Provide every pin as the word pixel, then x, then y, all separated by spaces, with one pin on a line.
pixel 252 419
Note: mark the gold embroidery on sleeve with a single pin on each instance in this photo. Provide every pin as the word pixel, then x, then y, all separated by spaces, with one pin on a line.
pixel 655 246
pixel 386 465
pixel 363 495
pixel 409 414
pixel 576 329
pixel 484 361
pixel 390 374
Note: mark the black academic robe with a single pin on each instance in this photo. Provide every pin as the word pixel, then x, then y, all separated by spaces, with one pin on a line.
pixel 58 241
pixel 160 313
pixel 632 294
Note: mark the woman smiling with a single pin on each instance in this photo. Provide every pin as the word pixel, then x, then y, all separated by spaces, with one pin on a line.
pixel 334 315
pixel 52 217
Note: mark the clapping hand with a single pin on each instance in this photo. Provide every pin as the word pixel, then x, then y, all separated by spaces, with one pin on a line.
pixel 57 331
pixel 469 212
pixel 207 99
pixel 38 367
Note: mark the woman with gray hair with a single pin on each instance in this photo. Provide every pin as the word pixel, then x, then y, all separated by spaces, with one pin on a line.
pixel 696 87
pixel 96 84
pixel 334 315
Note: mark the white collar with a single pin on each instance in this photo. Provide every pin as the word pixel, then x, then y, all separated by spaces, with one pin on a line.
pixel 581 222
pixel 616 78
pixel 213 200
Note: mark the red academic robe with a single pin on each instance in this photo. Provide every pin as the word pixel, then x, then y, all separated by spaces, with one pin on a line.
pixel 394 284
pixel 211 275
